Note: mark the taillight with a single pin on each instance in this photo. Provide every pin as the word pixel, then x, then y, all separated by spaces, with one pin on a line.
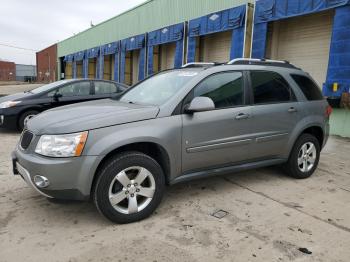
pixel 329 111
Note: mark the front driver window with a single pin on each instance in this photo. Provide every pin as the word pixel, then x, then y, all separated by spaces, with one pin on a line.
pixel 225 89
pixel 75 89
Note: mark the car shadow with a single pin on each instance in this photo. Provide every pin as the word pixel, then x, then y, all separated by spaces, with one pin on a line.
pixel 6 131
pixel 174 195
pixel 214 183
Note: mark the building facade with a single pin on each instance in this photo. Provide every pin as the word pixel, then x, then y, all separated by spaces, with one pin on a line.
pixel 46 62
pixel 315 36
pixel 7 71
pixel 25 73
pixel 160 34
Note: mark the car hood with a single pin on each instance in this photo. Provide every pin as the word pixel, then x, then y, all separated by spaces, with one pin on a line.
pixel 89 115
pixel 13 97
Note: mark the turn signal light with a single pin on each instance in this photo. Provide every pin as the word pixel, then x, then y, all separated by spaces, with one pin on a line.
pixel 329 111
pixel 81 144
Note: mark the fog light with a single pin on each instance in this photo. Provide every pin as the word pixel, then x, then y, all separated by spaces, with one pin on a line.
pixel 41 181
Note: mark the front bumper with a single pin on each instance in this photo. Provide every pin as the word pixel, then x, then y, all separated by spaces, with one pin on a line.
pixel 7 119
pixel 70 178
pixel 18 169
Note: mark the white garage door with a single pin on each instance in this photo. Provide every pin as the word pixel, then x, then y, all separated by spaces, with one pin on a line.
pixel 112 66
pixel 107 67
pixel 80 69
pixel 68 71
pixel 135 66
pixel 167 56
pixel 304 41
pixel 215 47
pixel 92 68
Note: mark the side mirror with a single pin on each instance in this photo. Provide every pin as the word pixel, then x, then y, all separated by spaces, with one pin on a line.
pixel 200 104
pixel 57 96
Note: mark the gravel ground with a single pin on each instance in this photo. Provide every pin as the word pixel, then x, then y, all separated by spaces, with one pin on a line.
pixel 12 89
pixel 269 218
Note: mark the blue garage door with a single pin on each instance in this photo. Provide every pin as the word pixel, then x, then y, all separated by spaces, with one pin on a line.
pixel 160 41
pixel 339 63
pixel 137 44
pixel 228 20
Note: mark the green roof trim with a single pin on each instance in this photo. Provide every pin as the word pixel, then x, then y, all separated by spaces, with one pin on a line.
pixel 146 17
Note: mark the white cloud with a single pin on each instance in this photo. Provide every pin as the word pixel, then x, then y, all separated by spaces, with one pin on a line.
pixel 37 24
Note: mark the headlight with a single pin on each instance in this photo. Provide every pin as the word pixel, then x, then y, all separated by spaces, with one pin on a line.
pixel 61 145
pixel 8 104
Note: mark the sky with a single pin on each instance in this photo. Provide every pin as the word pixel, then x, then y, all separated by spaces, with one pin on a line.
pixel 37 24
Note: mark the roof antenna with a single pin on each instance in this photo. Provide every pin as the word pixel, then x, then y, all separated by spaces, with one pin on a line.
pixel 91 24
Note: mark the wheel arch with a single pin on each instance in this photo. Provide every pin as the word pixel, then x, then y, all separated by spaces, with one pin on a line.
pixel 316 131
pixel 152 149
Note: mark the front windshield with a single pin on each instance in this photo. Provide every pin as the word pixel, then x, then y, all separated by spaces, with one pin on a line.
pixel 48 87
pixel 158 89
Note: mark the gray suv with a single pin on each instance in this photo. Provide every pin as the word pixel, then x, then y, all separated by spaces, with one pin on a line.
pixel 198 121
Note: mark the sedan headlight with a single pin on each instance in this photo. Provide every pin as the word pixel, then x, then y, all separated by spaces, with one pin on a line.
pixel 68 145
pixel 8 104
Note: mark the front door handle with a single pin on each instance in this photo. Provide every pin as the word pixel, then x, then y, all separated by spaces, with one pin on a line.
pixel 241 116
pixel 292 110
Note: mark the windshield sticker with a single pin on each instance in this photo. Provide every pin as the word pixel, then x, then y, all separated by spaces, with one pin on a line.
pixel 188 74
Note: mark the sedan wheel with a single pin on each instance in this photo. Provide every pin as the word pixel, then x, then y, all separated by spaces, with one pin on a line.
pixel 25 117
pixel 25 121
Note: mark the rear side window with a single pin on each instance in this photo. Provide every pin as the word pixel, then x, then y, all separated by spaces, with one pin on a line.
pixel 103 88
pixel 225 89
pixel 308 87
pixel 270 87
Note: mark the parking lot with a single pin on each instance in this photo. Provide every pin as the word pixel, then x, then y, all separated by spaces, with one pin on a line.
pixel 267 217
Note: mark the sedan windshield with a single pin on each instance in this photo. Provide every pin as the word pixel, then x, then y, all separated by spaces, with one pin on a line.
pixel 48 86
pixel 158 89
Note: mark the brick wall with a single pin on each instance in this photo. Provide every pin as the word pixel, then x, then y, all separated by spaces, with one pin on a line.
pixel 46 62
pixel 7 71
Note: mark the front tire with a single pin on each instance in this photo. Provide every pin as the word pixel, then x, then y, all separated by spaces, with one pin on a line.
pixel 129 187
pixel 304 157
pixel 25 117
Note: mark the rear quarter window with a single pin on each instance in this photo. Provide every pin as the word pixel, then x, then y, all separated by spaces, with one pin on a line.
pixel 270 87
pixel 309 88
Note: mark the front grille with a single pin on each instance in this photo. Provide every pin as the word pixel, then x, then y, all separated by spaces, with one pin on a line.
pixel 26 139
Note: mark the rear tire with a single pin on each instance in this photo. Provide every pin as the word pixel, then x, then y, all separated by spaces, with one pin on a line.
pixel 23 119
pixel 304 157
pixel 129 187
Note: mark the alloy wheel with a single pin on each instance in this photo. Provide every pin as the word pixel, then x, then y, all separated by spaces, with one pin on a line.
pixel 307 157
pixel 132 190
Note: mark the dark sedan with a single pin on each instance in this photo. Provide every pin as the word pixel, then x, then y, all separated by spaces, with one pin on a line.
pixel 17 109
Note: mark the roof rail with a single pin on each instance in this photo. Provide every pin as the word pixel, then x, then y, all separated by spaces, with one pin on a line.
pixel 200 64
pixel 255 61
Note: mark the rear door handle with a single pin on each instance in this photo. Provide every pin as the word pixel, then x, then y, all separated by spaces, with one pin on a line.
pixel 241 116
pixel 292 110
